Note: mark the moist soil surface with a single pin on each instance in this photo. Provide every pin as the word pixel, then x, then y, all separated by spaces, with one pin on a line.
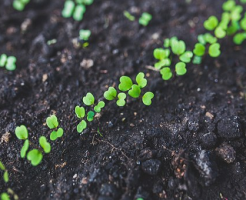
pixel 189 144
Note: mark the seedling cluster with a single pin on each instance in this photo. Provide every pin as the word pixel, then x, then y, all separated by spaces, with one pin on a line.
pixel 20 4
pixel 75 9
pixel 143 20
pixel 8 62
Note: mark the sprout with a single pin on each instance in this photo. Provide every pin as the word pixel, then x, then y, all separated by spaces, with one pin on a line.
pixel 180 68
pixel 24 149
pixel 3 60
pixel 84 34
pixel 56 134
pixel 161 54
pixel 211 23
pixel 2 167
pixel 79 12
pixel 89 99
pixel 166 73
pixel 125 83
pixel 219 32
pixel 147 98
pixel 99 106
pixel 135 91
pixel 20 4
pixel 239 38
pixel 68 9
pixel 6 176
pixel 197 60
pixel 163 63
pixel 228 5
pixel 178 47
pixel 141 81
pixel 8 62
pixel 145 19
pixel 44 144
pixel 21 132
pixel 186 56
pixel 110 94
pixel 90 116
pixel 121 99
pixel 80 112
pixel 214 50
pixel 199 49
pixel 243 23
pixel 5 196
pixel 236 13
pixel 209 38
pixel 81 126
pixel 128 16
pixel 35 156
pixel 52 123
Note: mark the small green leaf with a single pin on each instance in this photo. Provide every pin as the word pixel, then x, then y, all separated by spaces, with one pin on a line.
pixel 79 12
pixel 99 106
pixel 211 23
pixel 209 38
pixel 121 99
pixel 228 5
pixel 3 60
pixel 68 9
pixel 201 39
pixel 35 156
pixel 60 132
pixel 199 49
pixel 178 47
pixel 21 132
pixel 6 176
pixel 110 94
pixel 160 53
pixel 147 98
pixel 197 60
pixel 236 13
pixel 186 56
pixel 135 91
pixel 141 81
pixel 81 126
pixel 128 16
pixel 163 63
pixel 18 5
pixel 2 167
pixel 239 38
pixel 10 65
pixel 24 149
pixel 5 196
pixel 233 28
pixel 90 116
pixel 89 99
pixel 166 43
pixel 53 135
pixel 214 50
pixel 243 23
pixel 219 32
pixel 166 73
pixel 52 122
pixel 125 83
pixel 180 68
pixel 84 34
pixel 145 18
pixel 44 144
pixel 80 112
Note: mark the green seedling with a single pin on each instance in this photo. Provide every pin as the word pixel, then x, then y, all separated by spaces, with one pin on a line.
pixel 211 23
pixel 163 63
pixel 8 62
pixel 88 99
pixel 209 38
pixel 228 5
pixel 180 68
pixel 85 2
pixel 178 47
pixel 90 116
pixel 24 149
pixel 81 126
pixel 236 13
pixel 44 144
pixel 214 50
pixel 35 157
pixel 186 56
pixel 2 167
pixel 99 106
pixel 84 34
pixel 197 60
pixel 135 91
pixel 79 12
pixel 5 196
pixel 166 73
pixel 239 38
pixel 219 32
pixel 80 112
pixel 233 28
pixel 68 9
pixel 56 134
pixel 125 83
pixel 161 54
pixel 147 98
pixel 6 176
pixel 199 49
pixel 141 81
pixel 145 19
pixel 21 132
pixel 121 99
pixel 52 123
pixel 128 16
pixel 110 94
pixel 20 4
pixel 243 23
pixel 3 60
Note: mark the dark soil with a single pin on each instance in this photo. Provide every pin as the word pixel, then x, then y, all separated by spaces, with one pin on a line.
pixel 190 144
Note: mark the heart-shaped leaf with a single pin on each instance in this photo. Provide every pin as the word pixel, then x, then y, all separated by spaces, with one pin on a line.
pixel 44 144
pixel 197 60
pixel 147 98
pixel 145 18
pixel 239 38
pixel 21 132
pixel 166 73
pixel 121 99
pixel 5 196
pixel 163 63
pixel 6 176
pixel 161 54
pixel 141 81
pixel 125 83
pixel 135 91
pixel 35 156
pixel 10 65
pixel 80 112
pixel 214 50
pixel 90 116
pixel 243 23
pixel 110 94
pixel 81 126
pixel 68 9
pixel 211 23
pixel 60 132
pixel 99 106
pixel 180 68
pixel 219 32
pixel 84 34
pixel 52 122
pixel 53 135
pixel 89 99
pixel 24 149
pixel 209 38
pixel 199 49
pixel 228 5
pixel 186 56
pixel 178 47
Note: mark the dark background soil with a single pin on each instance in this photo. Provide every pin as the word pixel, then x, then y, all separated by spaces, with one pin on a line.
pixel 190 144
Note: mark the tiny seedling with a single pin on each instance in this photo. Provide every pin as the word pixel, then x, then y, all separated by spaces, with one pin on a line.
pixel 162 55
pixel 197 60
pixel 186 56
pixel 147 98
pixel 35 157
pixel 128 16
pixel 88 99
pixel 211 23
pixel 180 68
pixel 90 116
pixel 81 126
pixel 20 4
pixel 145 19
pixel 141 81
pixel 239 38
pixel 178 47
pixel 135 91
pixel 166 73
pixel 68 9
pixel 214 50
pixel 21 132
pixel 84 34
pixel 99 106
pixel 228 5
pixel 52 123
pixel 125 83
pixel 121 99
pixel 199 49
pixel 8 62
pixel 44 144
pixel 219 32
pixel 110 94
pixel 79 12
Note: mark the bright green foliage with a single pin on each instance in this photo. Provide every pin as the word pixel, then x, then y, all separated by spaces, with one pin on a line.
pixel 199 49
pixel 163 63
pixel 56 134
pixel 219 32
pixel 81 126
pixel 236 13
pixel 121 99
pixel 147 98
pixel 166 73
pixel 79 12
pixel 161 54
pixel 44 144
pixel 35 156
pixel 201 39
pixel 178 47
pixel 6 176
pixel 86 2
pixel 239 38
pixel 125 83
pixel 209 38
pixel 2 167
pixel 52 122
pixel 211 23
pixel 20 4
pixel 166 43
pixel 99 106
pixel 24 149
pixel 68 9
pixel 3 60
pixel 243 23
pixel 228 5
pixel 186 56
pixel 90 116
pixel 80 112
pixel 135 91
pixel 197 60
pixel 233 28
pixel 129 16
pixel 141 81
pixel 110 94
pixel 180 68
pixel 145 19
pixel 21 132
pixel 8 62
pixel 84 34
pixel 5 196
pixel 89 99
pixel 214 50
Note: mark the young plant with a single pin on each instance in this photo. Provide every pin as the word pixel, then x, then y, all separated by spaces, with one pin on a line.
pixel 20 4
pixel 145 19
pixel 52 123
pixel 128 16
pixel 8 62
pixel 84 34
